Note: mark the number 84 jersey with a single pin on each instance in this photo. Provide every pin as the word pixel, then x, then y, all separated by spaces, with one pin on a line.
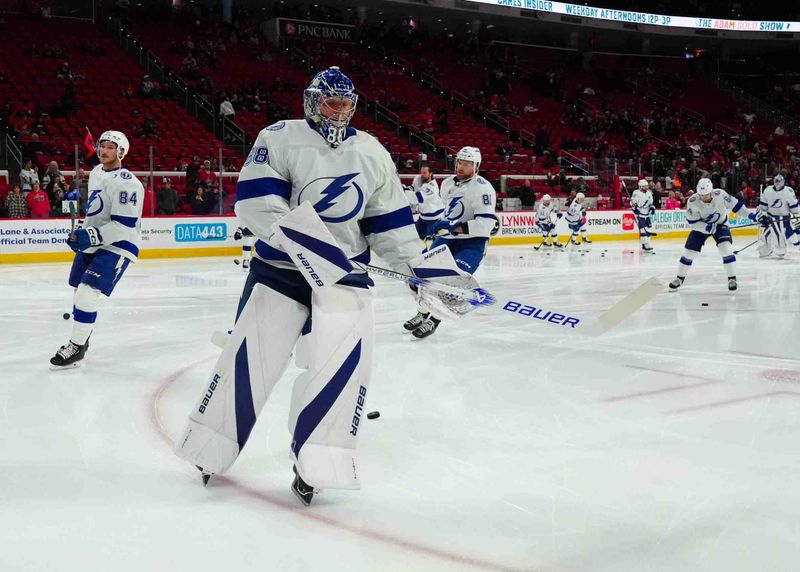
pixel 114 207
pixel 471 204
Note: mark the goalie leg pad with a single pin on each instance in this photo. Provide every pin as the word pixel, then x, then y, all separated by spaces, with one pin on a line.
pixel 328 399
pixel 242 379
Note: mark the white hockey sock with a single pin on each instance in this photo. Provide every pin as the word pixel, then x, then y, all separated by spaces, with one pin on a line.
pixel 728 258
pixel 686 262
pixel 84 313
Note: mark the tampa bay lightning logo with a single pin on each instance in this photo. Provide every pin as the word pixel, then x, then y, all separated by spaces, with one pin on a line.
pixel 95 204
pixel 126 175
pixel 336 199
pixel 776 204
pixel 455 209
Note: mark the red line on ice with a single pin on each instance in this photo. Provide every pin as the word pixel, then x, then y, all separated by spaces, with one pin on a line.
pixel 291 505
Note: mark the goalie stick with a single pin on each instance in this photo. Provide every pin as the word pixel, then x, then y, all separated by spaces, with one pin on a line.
pixel 591 326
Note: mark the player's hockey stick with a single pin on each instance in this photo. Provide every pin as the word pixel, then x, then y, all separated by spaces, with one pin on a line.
pixel 592 326
pixel 72 216
pixel 746 247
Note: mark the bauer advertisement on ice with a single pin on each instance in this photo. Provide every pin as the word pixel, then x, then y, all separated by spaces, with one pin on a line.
pixel 31 240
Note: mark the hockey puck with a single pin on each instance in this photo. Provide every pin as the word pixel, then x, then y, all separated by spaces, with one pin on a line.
pixel 704 304
pixel 373 414
pixel 583 254
pixel 236 261
pixel 65 316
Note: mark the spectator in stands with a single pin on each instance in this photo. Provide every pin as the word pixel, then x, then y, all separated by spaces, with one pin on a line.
pixel 34 146
pixel 198 202
pixel 442 119
pixel 16 205
pixel 149 202
pixel 63 71
pixel 193 172
pixel 167 198
pixel 27 176
pixel 148 88
pixel 748 194
pixel 672 203
pixel 426 120
pixel 38 202
pixel 529 108
pixel 226 110
pixel 59 195
pixel 149 128
pixel 183 163
pixel 207 176
pixel 51 177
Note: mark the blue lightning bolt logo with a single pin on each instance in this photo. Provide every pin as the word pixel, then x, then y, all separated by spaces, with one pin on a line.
pixel 337 192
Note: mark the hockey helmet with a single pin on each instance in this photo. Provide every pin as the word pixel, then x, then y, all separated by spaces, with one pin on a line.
pixel 547 198
pixel 705 187
pixel 778 181
pixel 580 196
pixel 119 139
pixel 329 83
pixel 472 154
pixel 643 185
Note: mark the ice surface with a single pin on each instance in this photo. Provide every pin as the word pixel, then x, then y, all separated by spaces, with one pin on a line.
pixel 668 444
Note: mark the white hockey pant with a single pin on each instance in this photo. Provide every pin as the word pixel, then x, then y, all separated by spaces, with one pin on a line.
pixel 328 398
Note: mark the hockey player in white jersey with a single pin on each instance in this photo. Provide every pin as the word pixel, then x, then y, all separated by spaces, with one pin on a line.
pixel 546 216
pixel 469 220
pixel 576 220
pixel 248 240
pixel 775 210
pixel 707 215
pixel 643 210
pixel 351 182
pixel 423 196
pixel 105 242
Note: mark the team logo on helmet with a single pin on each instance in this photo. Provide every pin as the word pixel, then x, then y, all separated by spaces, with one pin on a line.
pixel 336 199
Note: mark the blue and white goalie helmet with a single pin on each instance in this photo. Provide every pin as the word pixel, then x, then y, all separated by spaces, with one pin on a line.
pixel 778 181
pixel 118 138
pixel 324 104
pixel 472 154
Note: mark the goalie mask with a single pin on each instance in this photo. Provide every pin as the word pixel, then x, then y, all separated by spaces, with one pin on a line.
pixel 119 139
pixel 777 182
pixel 329 103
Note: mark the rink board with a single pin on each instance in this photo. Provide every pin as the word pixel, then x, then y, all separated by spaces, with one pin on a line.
pixel 42 240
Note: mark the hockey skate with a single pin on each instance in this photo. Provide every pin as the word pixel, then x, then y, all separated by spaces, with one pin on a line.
pixel 206 474
pixel 301 489
pixel 68 356
pixel 675 284
pixel 586 240
pixel 732 284
pixel 648 250
pixel 558 245
pixel 426 328
pixel 574 242
pixel 415 322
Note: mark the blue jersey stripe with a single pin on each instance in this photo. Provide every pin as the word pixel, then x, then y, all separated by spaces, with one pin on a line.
pixel 262 187
pixel 387 221
pixel 329 252
pixel 737 206
pixel 267 252
pixel 126 245
pixel 129 221
pixel 434 272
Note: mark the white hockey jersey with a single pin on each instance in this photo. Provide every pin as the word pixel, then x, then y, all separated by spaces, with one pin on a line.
pixel 779 203
pixel 114 207
pixel 425 198
pixel 546 214
pixel 642 202
pixel 707 217
pixel 575 212
pixel 471 204
pixel 354 188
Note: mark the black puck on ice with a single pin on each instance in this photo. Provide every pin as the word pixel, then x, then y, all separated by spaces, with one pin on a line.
pixel 65 316
pixel 373 414
pixel 704 304
pixel 236 261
